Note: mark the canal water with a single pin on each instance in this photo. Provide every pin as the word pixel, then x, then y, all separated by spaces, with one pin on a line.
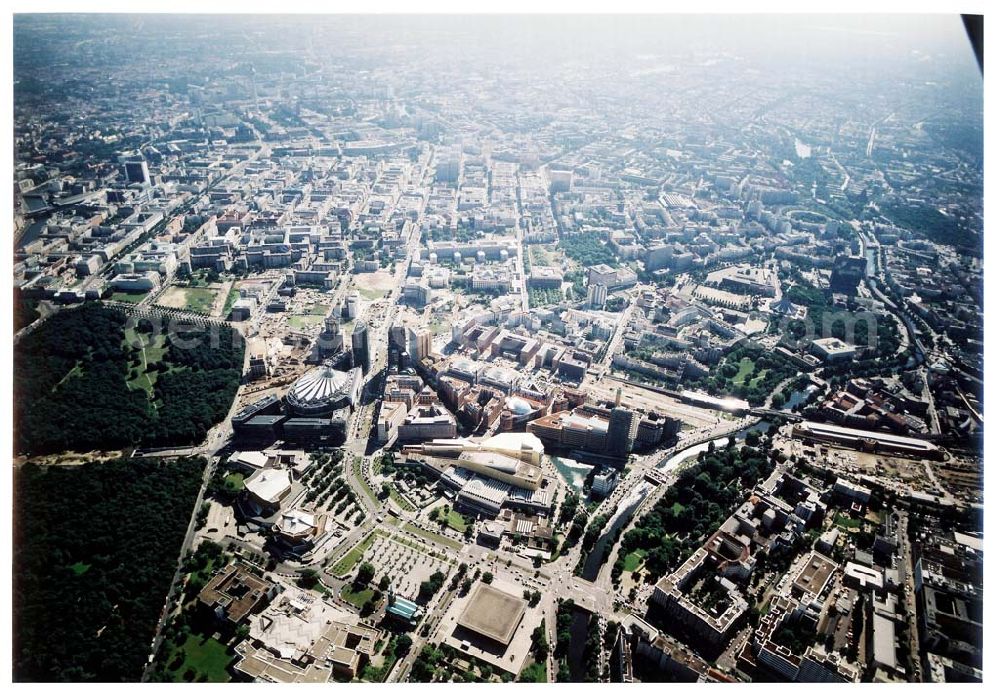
pixel 572 471
pixel 675 460
pixel 872 265
pixel 592 566
pixel 799 395
pixel 577 644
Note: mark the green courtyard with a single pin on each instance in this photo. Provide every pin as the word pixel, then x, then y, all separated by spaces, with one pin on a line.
pixel 203 656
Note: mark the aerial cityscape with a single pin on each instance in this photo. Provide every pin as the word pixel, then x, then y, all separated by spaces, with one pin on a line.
pixel 432 348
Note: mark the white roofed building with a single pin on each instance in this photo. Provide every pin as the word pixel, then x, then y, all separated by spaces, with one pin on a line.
pixel 323 390
pixel 268 487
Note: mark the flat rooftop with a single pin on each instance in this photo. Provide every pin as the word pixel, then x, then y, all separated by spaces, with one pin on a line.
pixel 492 613
pixel 814 576
pixel 832 343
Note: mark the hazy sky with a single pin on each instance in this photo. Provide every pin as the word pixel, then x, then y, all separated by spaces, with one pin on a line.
pixel 869 47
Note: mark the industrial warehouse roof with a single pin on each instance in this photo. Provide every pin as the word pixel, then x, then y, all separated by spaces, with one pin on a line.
pixel 887 438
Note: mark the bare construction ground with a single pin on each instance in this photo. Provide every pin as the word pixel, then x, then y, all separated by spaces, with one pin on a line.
pixel 374 286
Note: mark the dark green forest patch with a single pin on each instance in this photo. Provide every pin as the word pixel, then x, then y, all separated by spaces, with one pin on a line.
pixel 88 379
pixel 95 547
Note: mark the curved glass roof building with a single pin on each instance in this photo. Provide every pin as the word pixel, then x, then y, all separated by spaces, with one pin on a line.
pixel 323 390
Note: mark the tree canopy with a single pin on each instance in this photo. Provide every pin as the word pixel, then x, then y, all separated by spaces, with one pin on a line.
pixel 95 547
pixel 71 389
pixel 704 495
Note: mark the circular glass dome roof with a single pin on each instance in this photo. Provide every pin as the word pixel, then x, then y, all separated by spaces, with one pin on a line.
pixel 464 365
pixel 518 406
pixel 498 374
pixel 319 390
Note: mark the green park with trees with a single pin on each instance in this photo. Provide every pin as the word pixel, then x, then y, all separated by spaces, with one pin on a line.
pixel 588 249
pixel 95 547
pixel 705 494
pixel 746 372
pixel 82 384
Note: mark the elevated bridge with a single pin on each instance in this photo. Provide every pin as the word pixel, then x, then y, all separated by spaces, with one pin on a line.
pixel 775 414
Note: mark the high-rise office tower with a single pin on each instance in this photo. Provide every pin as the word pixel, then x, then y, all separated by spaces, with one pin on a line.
pixel 137 171
pixel 622 429
pixel 331 340
pixel 361 347
pixel 416 342
pixel 597 295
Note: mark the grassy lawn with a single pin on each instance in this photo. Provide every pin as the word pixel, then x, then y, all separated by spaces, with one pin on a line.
pixel 399 499
pixel 205 655
pixel 456 521
pixel 131 297
pixel 535 673
pixel 634 560
pixel 143 381
pixel 350 559
pixel 230 301
pixel 133 337
pixel 392 522
pixel 151 353
pixel 418 547
pixel 746 369
pixel 757 380
pixel 847 522
pixel 301 321
pixel 204 574
pixel 318 310
pixel 79 568
pixel 234 481
pixel 765 606
pixel 199 300
pixel 154 351
pixel 371 294
pixel 410 527
pixel 357 598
